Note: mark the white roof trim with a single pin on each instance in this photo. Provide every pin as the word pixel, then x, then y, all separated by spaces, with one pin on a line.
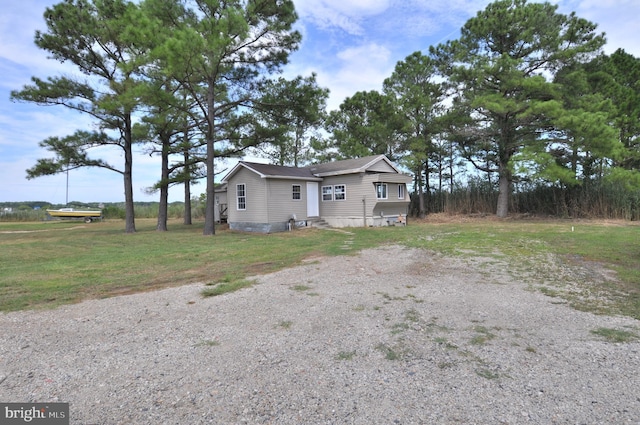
pixel 230 173
pixel 264 176
pixel 361 169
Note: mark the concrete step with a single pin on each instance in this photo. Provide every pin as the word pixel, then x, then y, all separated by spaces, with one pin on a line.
pixel 319 223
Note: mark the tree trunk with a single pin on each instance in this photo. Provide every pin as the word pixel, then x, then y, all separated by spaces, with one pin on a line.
pixel 504 193
pixel 422 210
pixel 187 186
pixel 187 203
pixel 451 162
pixel 130 224
pixel 297 150
pixel 164 189
pixel 209 221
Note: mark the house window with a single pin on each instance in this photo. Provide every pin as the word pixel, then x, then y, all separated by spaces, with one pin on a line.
pixel 339 192
pixel 400 191
pixel 296 192
pixel 381 190
pixel 241 197
pixel 327 193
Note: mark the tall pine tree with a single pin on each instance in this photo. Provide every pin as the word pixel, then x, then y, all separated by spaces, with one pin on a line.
pixel 502 68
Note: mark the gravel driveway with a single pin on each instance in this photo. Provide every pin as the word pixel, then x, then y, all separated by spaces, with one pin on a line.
pixel 390 336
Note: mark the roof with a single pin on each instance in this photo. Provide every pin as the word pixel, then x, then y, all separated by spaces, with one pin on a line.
pixel 313 172
pixel 349 166
pixel 273 171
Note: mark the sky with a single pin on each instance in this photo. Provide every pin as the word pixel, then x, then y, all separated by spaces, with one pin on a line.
pixel 352 45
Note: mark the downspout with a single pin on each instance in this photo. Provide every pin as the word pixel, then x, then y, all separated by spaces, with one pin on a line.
pixel 364 210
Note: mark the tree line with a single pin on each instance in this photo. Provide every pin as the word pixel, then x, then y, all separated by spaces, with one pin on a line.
pixel 521 109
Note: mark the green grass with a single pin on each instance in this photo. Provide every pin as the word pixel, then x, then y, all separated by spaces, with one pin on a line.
pixel 226 287
pixel 285 324
pixel 526 244
pixel 345 355
pixel 482 336
pixel 615 335
pixel 46 264
pixel 301 288
pixel 208 343
pixel 445 343
pixel 390 353
pixel 487 374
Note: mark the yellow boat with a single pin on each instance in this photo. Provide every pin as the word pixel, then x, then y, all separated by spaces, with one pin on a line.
pixel 88 216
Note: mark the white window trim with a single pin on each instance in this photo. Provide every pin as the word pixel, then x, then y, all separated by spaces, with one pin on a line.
pixel 386 190
pixel 401 191
pixel 322 193
pixel 344 192
pixel 293 192
pixel 244 189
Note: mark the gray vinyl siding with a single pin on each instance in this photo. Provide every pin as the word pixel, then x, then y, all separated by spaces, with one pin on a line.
pixel 270 204
pixel 256 193
pixel 268 200
pixel 381 167
pixel 390 208
pixel 359 187
pixel 391 178
pixel 392 193
pixel 281 203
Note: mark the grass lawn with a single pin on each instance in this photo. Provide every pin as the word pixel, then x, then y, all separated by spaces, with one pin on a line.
pixel 47 264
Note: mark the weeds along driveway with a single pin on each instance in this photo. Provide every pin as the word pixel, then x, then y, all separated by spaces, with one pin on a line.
pixel 392 335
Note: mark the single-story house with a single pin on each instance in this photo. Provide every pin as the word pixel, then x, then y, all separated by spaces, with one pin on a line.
pixel 368 191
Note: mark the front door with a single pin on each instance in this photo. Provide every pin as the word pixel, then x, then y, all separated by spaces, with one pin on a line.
pixel 313 199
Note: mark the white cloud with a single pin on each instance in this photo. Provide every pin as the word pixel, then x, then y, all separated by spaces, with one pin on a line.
pixel 421 18
pixel 607 4
pixel 343 14
pixel 18 25
pixel 357 7
pixel 360 68
pixel 617 18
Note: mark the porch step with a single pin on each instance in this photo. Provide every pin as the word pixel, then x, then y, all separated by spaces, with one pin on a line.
pixel 318 223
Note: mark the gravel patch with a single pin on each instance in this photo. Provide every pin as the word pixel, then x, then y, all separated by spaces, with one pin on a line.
pixel 389 336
